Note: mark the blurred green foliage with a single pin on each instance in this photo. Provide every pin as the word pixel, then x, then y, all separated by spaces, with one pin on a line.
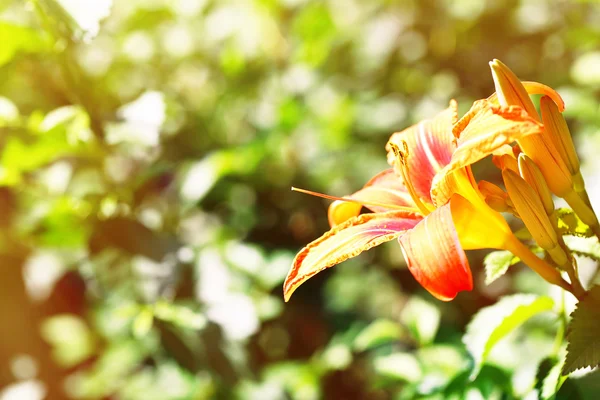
pixel 147 148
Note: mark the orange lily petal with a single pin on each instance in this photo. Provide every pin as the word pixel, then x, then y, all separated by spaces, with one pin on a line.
pixel 385 188
pixel 345 241
pixel 430 145
pixel 486 128
pixel 536 88
pixel 435 257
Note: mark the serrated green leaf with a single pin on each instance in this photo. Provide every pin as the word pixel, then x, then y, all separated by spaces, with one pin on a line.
pixel 497 263
pixel 377 333
pixel 586 247
pixel 570 224
pixel 583 335
pixel 493 323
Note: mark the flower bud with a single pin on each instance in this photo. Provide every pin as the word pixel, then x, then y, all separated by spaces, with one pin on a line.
pixel 512 92
pixel 557 131
pixel 532 212
pixel 506 161
pixel 533 176
pixel 495 197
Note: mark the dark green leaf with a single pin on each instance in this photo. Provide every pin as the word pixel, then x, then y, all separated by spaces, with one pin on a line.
pixel 548 378
pixel 583 335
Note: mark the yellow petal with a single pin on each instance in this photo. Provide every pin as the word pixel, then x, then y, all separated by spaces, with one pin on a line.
pixel 449 181
pixel 479 227
pixel 486 128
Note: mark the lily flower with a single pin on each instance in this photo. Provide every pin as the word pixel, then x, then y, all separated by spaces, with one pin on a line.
pixel 429 202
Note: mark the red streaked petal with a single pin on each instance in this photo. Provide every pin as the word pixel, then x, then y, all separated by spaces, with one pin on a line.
pixel 384 188
pixel 430 146
pixel 345 241
pixel 435 257
pixel 486 128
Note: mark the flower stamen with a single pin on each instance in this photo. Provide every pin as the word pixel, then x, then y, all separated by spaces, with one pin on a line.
pixel 402 166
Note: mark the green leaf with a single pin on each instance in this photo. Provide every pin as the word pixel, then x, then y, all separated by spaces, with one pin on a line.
pixel 586 247
pixel 583 334
pixel 402 366
pixel 300 380
pixel 377 333
pixel 422 318
pixel 71 340
pixel 143 322
pixel 493 323
pixel 179 315
pixel 570 224
pixel 497 263
pixel 19 39
pixel 548 378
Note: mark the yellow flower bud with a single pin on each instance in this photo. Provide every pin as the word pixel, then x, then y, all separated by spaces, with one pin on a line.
pixel 557 131
pixel 506 161
pixel 532 212
pixel 533 176
pixel 511 91
pixel 495 197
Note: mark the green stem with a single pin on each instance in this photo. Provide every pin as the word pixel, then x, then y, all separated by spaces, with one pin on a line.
pixel 572 270
pixel 562 327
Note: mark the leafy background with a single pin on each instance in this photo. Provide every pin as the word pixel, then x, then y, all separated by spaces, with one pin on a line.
pixel 147 149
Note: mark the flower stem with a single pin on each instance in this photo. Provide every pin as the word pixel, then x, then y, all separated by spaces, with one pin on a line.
pixel 572 270
pixel 545 270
